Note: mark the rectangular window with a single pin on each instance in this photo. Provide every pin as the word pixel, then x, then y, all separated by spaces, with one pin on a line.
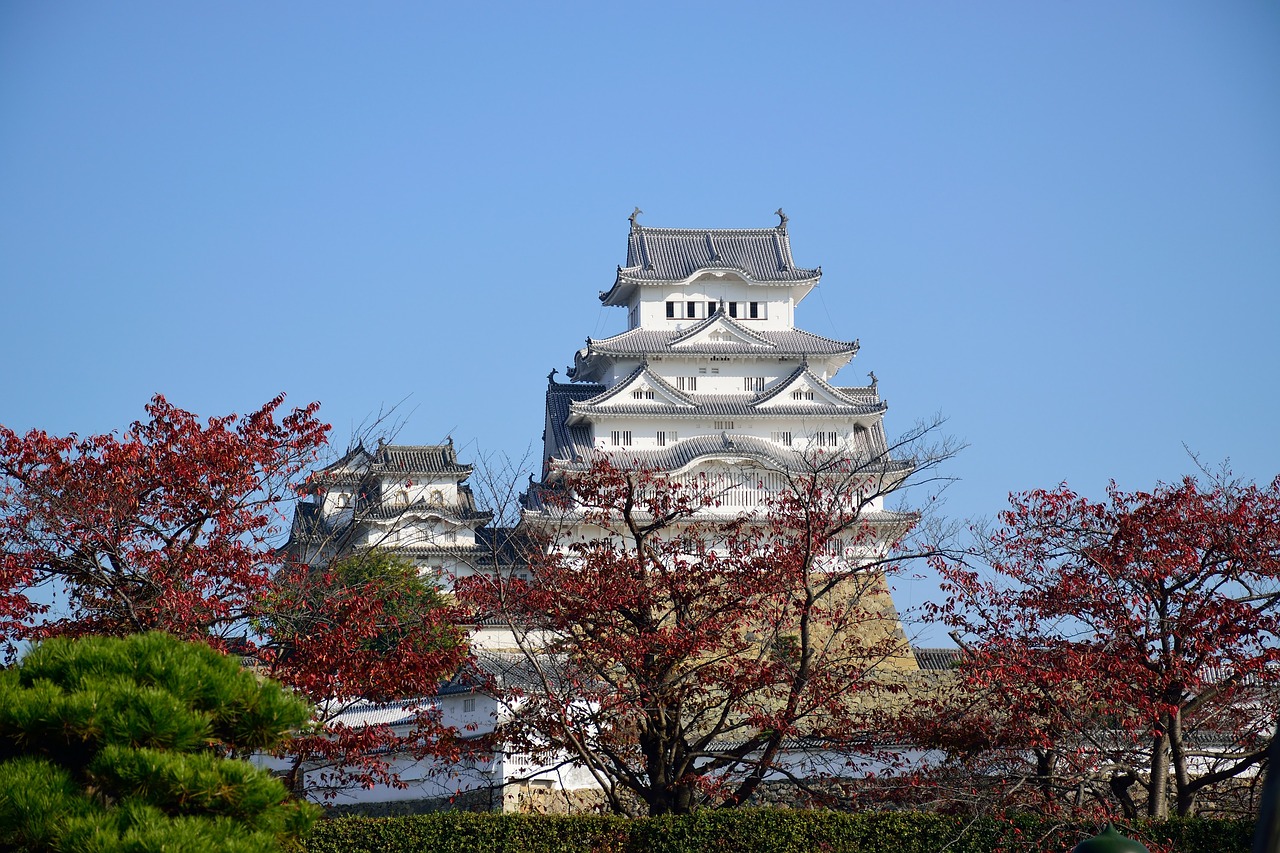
pixel 665 437
pixel 642 394
pixel 711 308
pixel 801 395
pixel 826 439
pixel 756 310
pixel 691 310
pixel 686 383
pixel 724 424
pixel 753 383
pixel 782 437
pixel 621 437
pixel 671 310
pixel 733 309
pixel 468 706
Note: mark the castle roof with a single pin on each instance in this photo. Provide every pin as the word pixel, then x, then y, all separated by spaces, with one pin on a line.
pixel 569 440
pixel 739 339
pixel 672 403
pixel 666 255
pixel 358 464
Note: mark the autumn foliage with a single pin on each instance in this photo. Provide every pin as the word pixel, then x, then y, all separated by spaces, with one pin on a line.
pixel 166 526
pixel 173 526
pixel 366 629
pixel 1119 655
pixel 683 654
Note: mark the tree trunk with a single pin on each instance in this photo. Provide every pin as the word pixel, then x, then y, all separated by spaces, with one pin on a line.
pixel 1158 785
pixel 1186 798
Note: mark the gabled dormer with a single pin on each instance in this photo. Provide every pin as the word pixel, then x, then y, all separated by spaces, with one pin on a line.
pixel 720 330
pixel 804 389
pixel 642 391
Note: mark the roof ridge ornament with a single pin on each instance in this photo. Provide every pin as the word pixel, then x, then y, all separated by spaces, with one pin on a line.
pixel 635 226
pixel 715 255
pixel 781 226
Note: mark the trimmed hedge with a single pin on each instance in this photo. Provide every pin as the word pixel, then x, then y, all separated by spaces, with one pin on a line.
pixel 752 831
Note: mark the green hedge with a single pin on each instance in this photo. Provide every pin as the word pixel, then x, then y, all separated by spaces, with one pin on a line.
pixel 752 831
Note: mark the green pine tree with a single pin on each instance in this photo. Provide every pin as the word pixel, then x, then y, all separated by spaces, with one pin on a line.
pixel 112 745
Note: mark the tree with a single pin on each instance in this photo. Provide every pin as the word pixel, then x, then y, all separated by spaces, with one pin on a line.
pixel 368 628
pixel 166 526
pixel 1128 644
pixel 682 654
pixel 173 526
pixel 122 744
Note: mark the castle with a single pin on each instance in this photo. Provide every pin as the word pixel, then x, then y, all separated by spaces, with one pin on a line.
pixel 711 379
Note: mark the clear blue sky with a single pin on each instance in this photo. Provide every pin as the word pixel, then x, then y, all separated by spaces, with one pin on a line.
pixel 1056 223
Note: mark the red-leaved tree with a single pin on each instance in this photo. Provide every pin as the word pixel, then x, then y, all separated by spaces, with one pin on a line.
pixel 1116 647
pixel 173 526
pixel 365 630
pixel 164 527
pixel 683 653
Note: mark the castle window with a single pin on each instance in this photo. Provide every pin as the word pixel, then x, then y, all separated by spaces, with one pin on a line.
pixel 802 395
pixel 826 439
pixel 733 309
pixel 753 383
pixel 642 394
pixel 468 705
pixel 344 500
pixel 664 436
pixel 724 424
pixel 757 310
pixel 671 310
pixel 621 438
pixel 711 308
pixel 686 383
pixel 782 437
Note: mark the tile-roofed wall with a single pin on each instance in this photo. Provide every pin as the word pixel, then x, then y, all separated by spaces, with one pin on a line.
pixel 673 254
pixel 937 659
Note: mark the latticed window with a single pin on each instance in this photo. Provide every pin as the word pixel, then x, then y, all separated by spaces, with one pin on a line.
pixel 621 438
pixel 782 437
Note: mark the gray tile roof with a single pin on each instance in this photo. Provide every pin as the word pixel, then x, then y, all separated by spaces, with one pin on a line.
pixel 390 512
pixel 937 659
pixel 673 254
pixel 696 405
pixel 726 405
pixel 687 450
pixel 358 463
pixel 783 343
pixel 568 441
pixel 417 459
